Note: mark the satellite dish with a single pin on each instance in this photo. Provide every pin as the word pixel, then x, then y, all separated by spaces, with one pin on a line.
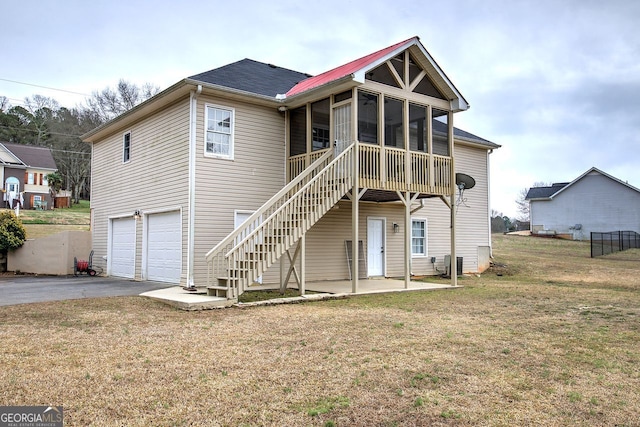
pixel 465 181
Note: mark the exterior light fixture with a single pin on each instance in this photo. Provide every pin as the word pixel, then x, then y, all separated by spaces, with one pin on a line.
pixel 396 227
pixel 137 215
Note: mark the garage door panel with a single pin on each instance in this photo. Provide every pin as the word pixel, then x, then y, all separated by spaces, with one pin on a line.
pixel 164 247
pixel 123 247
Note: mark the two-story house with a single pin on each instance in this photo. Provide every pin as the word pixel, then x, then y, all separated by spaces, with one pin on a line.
pixel 252 172
pixel 24 170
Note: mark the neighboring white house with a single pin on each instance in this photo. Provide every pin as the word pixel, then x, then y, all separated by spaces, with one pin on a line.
pixel 298 166
pixel 595 201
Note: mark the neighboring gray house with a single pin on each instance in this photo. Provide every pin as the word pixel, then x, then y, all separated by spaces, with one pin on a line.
pixel 595 201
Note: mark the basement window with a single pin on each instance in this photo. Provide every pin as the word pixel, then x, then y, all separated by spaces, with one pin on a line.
pixel 418 237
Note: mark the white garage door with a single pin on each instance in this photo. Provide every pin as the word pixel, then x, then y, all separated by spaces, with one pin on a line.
pixel 164 247
pixel 123 247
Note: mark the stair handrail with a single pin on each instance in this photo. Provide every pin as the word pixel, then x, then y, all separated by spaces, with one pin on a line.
pixel 259 228
pixel 266 243
pixel 309 171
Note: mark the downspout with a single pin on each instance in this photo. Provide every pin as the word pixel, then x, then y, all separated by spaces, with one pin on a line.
pixel 489 152
pixel 191 248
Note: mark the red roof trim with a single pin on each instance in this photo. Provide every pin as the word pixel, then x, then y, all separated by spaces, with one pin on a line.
pixel 345 70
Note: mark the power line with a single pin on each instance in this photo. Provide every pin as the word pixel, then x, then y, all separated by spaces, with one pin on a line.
pixel 44 87
pixel 72 152
pixel 37 131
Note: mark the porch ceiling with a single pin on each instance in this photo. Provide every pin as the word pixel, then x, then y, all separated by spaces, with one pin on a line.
pixel 384 196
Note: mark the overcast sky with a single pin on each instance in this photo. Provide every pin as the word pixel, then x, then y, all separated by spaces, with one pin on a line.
pixel 555 82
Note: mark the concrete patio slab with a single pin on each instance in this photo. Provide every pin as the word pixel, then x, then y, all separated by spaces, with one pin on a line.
pixel 178 297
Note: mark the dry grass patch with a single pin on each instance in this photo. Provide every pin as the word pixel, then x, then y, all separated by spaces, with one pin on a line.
pixel 545 345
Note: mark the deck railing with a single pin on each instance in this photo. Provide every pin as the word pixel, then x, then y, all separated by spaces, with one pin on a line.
pixel 390 168
pixel 299 163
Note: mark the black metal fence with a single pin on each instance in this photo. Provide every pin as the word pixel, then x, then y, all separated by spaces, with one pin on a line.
pixel 613 241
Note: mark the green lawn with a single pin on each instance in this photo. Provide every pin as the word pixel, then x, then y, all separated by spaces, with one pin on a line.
pixel 46 222
pixel 548 336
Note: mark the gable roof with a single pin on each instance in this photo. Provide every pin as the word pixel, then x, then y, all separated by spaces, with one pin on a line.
pixel 346 69
pixel 356 70
pixel 28 155
pixel 270 85
pixel 252 76
pixel 548 193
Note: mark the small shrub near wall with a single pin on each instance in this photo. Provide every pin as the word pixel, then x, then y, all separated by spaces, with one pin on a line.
pixel 12 235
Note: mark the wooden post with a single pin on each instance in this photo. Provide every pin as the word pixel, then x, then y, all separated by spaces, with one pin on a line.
pixel 454 258
pixel 355 217
pixel 303 264
pixel 407 239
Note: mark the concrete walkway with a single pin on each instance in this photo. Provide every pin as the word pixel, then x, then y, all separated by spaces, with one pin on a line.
pixel 27 289
pixel 185 300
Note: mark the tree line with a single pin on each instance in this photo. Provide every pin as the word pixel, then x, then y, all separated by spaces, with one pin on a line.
pixel 43 122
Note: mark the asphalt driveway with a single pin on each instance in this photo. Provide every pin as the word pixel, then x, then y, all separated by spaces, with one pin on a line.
pixel 28 289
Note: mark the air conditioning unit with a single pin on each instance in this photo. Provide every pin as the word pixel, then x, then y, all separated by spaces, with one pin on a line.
pixel 447 265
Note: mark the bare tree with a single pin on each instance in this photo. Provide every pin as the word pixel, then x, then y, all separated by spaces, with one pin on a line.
pixel 43 110
pixel 4 104
pixel 110 103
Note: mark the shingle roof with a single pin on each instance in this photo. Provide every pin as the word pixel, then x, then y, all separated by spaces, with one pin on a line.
pixel 440 127
pixel 252 76
pixel 344 70
pixel 545 192
pixel 36 157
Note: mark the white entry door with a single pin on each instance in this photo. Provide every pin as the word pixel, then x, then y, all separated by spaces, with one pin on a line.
pixel 375 247
pixel 123 247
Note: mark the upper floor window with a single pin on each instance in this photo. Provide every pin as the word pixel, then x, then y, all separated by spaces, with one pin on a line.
pixel 219 124
pixel 126 147
pixel 30 178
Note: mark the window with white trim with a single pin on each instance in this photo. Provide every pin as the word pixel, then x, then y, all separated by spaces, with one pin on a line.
pixel 30 179
pixel 219 123
pixel 126 147
pixel 418 237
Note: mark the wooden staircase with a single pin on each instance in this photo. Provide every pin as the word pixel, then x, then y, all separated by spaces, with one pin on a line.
pixel 246 253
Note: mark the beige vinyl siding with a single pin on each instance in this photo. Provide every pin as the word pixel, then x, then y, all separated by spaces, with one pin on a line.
pixel 472 226
pixel 326 254
pixel 155 178
pixel 223 186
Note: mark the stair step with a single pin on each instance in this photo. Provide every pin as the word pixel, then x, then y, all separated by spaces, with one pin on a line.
pixel 217 291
